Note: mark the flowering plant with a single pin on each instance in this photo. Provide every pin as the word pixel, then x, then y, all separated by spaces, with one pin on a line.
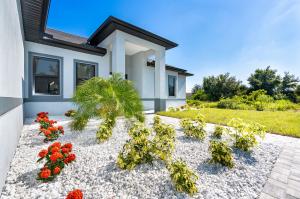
pixel 52 132
pixel 43 119
pixel 47 127
pixel 56 156
pixel 75 194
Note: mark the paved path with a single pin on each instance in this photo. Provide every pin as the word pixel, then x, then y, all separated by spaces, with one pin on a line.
pixel 284 181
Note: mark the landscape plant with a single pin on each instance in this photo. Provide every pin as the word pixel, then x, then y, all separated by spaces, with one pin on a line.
pixel 47 127
pixel 183 177
pixel 194 128
pixel 70 113
pixel 221 153
pixel 137 150
pixel 245 134
pixel 218 132
pixel 106 99
pixel 52 133
pixel 56 157
pixel 75 194
pixel 164 141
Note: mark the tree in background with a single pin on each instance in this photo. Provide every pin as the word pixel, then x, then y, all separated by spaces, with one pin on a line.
pixel 288 86
pixel 195 88
pixel 221 86
pixel 265 79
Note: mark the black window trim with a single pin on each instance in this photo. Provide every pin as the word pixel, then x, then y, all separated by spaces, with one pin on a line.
pixel 75 61
pixel 31 86
pixel 175 87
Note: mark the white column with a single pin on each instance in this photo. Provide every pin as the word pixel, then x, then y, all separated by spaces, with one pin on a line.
pixel 160 80
pixel 118 55
pixel 160 74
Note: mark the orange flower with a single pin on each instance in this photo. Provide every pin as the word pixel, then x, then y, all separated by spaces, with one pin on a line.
pixel 56 170
pixel 55 156
pixel 54 149
pixel 46 132
pixel 45 173
pixel 52 128
pixel 75 194
pixel 43 153
pixel 56 144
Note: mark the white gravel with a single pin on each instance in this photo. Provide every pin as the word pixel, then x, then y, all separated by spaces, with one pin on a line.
pixel 97 175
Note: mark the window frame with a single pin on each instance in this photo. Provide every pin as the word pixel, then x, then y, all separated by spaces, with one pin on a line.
pixel 31 84
pixel 75 69
pixel 175 86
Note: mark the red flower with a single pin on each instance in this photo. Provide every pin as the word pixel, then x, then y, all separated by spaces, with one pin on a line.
pixel 65 150
pixel 71 157
pixel 55 156
pixel 56 170
pixel 54 149
pixel 45 173
pixel 68 145
pixel 43 153
pixel 75 194
pixel 60 128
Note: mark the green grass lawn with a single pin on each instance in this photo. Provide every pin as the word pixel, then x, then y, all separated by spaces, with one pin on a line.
pixel 278 122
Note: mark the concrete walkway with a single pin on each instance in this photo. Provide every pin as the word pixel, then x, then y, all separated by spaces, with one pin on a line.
pixel 284 181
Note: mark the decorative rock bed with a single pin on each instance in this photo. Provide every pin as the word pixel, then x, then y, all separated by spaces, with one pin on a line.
pixel 97 175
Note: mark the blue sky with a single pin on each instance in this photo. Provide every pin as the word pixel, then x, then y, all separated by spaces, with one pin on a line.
pixel 214 36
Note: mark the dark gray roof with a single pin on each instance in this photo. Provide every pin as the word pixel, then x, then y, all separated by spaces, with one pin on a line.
pixel 112 23
pixel 56 34
pixel 35 14
pixel 172 68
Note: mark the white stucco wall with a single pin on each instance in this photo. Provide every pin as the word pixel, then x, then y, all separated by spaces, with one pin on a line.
pixel 68 57
pixel 11 78
pixel 68 64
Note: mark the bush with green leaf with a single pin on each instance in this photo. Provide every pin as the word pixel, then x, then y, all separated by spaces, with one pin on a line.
pixel 194 128
pixel 218 132
pixel 106 99
pixel 137 150
pixel 221 153
pixel 164 141
pixel 105 130
pixel 245 134
pixel 183 177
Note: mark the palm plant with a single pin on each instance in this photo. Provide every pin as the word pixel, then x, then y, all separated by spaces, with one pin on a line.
pixel 106 99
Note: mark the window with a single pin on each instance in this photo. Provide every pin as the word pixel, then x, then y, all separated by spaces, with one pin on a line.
pixel 46 76
pixel 172 85
pixel 84 71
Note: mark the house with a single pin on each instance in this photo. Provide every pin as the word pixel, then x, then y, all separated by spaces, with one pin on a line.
pixel 41 67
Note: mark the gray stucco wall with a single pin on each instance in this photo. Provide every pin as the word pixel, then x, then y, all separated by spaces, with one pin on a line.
pixel 11 82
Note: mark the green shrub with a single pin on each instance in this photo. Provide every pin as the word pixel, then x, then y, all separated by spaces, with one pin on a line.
pixel 195 128
pixel 164 141
pixel 171 109
pixel 106 99
pixel 221 153
pixel 282 105
pixel 156 120
pixel 245 134
pixel 105 130
pixel 137 150
pixel 70 113
pixel 218 132
pixel 200 95
pixel 183 177
pixel 79 123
